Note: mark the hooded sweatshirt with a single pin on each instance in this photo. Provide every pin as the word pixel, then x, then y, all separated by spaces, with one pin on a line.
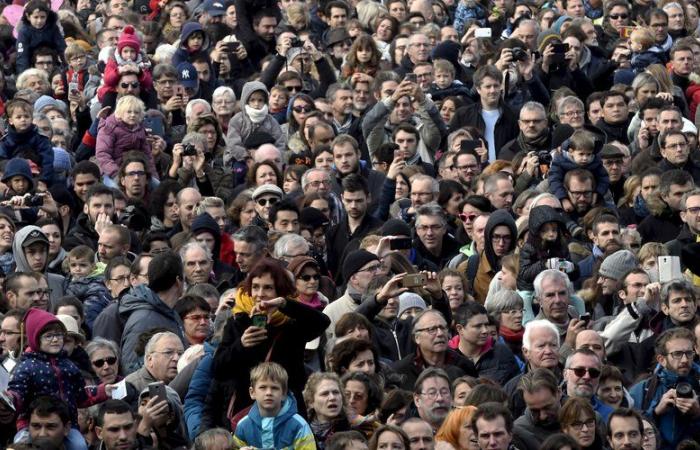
pixel 55 281
pixel 40 373
pixel 184 53
pixel 489 263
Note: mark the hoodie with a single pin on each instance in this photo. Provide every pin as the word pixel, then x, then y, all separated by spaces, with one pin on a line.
pixel 142 310
pixel 55 281
pixel 488 263
pixel 15 141
pixel 205 222
pixel 39 373
pixel 184 54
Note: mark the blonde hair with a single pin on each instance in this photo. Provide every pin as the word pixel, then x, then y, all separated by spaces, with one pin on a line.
pixel 444 65
pixel 643 36
pixel 127 102
pixel 310 390
pixel 651 250
pixel 269 371
pixel 74 50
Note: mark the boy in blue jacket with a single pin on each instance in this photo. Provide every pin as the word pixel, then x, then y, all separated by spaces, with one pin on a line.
pixel 272 421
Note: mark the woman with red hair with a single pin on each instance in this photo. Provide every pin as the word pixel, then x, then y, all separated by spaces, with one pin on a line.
pixel 456 431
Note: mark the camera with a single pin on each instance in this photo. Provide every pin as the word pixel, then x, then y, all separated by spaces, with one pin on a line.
pixel 295 42
pixel 34 200
pixel 189 150
pixel 133 218
pixel 544 157
pixel 684 390
pixel 519 54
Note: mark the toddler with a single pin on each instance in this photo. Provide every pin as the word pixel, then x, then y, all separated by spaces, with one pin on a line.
pixel 445 84
pixel 127 58
pixel 194 43
pixel 39 28
pixel 86 282
pixel 644 50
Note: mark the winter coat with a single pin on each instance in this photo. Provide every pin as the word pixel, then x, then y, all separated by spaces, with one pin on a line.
pixel 205 222
pixel 614 131
pixel 142 310
pixel 13 142
pixel 660 228
pixel 29 39
pixel 673 426
pixel 287 430
pixel 39 373
pixel 684 237
pixel 640 61
pixel 184 54
pixel 92 292
pixel 54 281
pixel 112 76
pixel 450 247
pixel 195 399
pixel 373 178
pixel 497 363
pixel 563 163
pixel 529 434
pixel 413 364
pixel 240 128
pixel 480 283
pixel 690 166
pixel 82 233
pixel 505 130
pixel 114 139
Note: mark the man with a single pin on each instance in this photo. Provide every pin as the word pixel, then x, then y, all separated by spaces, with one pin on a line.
pixel 362 99
pixel 582 375
pixel 498 188
pixel 491 117
pixel 580 190
pixel 85 174
pixel 431 338
pixel 534 133
pixel 114 241
pixel 553 290
pixel 432 396
pixel 526 30
pixel 357 223
pixel 493 426
pixel 648 132
pixel 340 96
pixel 542 396
pixel 574 8
pixel 612 157
pixel 658 22
pixel 11 334
pixel 664 223
pixel 284 217
pixel 22 292
pixel 610 273
pixel 212 12
pixel 407 137
pixel 346 157
pixel 97 213
pixel 625 430
pixel 682 60
pixel 606 238
pixel 615 119
pixel 160 358
pixel 335 14
pixel 290 246
pixel 147 307
pixel 198 262
pixel 468 167
pixel 262 42
pixel 134 178
pixel 115 426
pixel 250 244
pixel 319 181
pixel 420 434
pixel 49 420
pixel 417 51
pixel 31 254
pixel 432 242
pixel 187 201
pixel 676 154
pixel 690 215
pixel 493 360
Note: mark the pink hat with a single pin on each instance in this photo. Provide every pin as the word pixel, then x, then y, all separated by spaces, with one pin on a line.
pixel 128 38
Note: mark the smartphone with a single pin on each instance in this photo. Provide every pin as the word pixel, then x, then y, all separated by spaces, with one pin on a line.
pixel 259 320
pixel 411 77
pixel 669 268
pixel 73 88
pixel 400 244
pixel 625 32
pixel 586 318
pixel 469 145
pixel 231 47
pixel 155 124
pixel 179 90
pixel 157 390
pixel 412 280
pixel 7 401
pixel 482 33
pixel 560 48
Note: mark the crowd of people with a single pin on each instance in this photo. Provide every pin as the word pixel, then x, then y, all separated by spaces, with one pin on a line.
pixel 330 224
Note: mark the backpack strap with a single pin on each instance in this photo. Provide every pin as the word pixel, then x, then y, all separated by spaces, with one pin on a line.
pixel 472 268
pixel 649 391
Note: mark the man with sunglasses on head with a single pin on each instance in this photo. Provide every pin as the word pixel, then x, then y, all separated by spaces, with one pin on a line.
pixel 670 395
pixel 582 376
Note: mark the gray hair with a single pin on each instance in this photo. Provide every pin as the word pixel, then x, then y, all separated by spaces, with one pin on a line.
pixel 672 5
pixel 195 138
pixel 432 210
pixel 541 197
pixel 196 101
pixel 195 245
pixel 456 134
pixel 539 324
pixel 504 300
pixel 569 101
pixel 287 241
pixel 32 72
pixel 209 202
pixel 204 290
pixel 100 343
pixel 533 106
pixel 305 177
pixel 569 359
pixel 551 274
pixel 153 341
pixel 434 184
pixel 223 91
pixel 530 22
pixel 253 235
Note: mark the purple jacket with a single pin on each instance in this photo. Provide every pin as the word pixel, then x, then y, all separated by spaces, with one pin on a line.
pixel 114 138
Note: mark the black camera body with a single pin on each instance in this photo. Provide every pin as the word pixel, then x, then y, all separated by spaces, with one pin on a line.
pixel 133 218
pixel 189 150
pixel 34 200
pixel 684 390
pixel 519 54
pixel 296 42
pixel 544 157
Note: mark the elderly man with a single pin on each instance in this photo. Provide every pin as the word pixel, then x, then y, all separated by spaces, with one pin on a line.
pixel 289 246
pixel 319 181
pixel 251 244
pixel 420 433
pixel 187 201
pixel 198 263
pixel 430 334
pixel 542 396
pixel 554 292
pixel 432 242
pixel 417 51
pixel 534 133
pixel 160 359
pixel 582 375
pixel 432 396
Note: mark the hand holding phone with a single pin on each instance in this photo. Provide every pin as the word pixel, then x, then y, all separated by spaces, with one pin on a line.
pixel 413 280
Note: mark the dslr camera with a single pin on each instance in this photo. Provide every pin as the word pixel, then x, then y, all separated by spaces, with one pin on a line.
pixel 189 150
pixel 684 390
pixel 544 157
pixel 34 200
pixel 519 54
pixel 296 42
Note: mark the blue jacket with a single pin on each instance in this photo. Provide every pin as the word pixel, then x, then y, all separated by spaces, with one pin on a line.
pixel 12 142
pixel 30 38
pixel 673 426
pixel 92 292
pixel 561 164
pixel 198 390
pixel 287 430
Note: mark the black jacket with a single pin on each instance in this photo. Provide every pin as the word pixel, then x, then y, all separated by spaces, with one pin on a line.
pixel 661 228
pixel 340 240
pixel 412 365
pixel 684 237
pixel 692 168
pixel 450 247
pixel 506 126
pixel 82 233
pixel 614 132
pixel 498 364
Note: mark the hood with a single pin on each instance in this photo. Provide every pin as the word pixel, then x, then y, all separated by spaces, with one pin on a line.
pixel 539 215
pixel 19 166
pixel 289 409
pixel 251 87
pixel 498 217
pixel 34 321
pixel 205 222
pixel 20 237
pixel 187 30
pixel 143 298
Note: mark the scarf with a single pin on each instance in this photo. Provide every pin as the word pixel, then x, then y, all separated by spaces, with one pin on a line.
pixel 314 301
pixel 7 261
pixel 640 207
pixel 256 115
pixel 244 305
pixel 511 336
pixel 534 144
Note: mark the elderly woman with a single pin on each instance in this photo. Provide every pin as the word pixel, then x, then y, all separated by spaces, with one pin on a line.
pixel 456 432
pixel 267 325
pixel 196 317
pixel 104 358
pixel 307 276
pixel 190 170
pixel 507 308
pixel 34 79
pixel 223 102
pixel 578 419
pixel 221 178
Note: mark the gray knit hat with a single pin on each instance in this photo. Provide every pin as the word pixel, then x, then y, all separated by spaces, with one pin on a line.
pixel 618 264
pixel 409 300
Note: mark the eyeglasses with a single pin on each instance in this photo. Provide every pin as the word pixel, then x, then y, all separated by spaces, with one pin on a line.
pixel 132 85
pixel 512 311
pixel 578 426
pixel 426 228
pixel 573 113
pixel 433 393
pixel 111 360
pixel 581 193
pixel 302 109
pixel 265 201
pixel 307 278
pixel 468 217
pixel 432 330
pixel 693 209
pixel 170 353
pixel 678 355
pixel 618 16
pixel 120 279
pixel 136 173
pixel 294 88
pixel 497 238
pixel 581 371
pixel 467 167
pixel 373 268
pixel 320 182
pixel 198 317
pixel 51 336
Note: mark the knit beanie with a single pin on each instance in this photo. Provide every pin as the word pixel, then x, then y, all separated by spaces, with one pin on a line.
pixel 409 300
pixel 618 264
pixel 395 227
pixel 545 38
pixel 354 262
pixel 128 38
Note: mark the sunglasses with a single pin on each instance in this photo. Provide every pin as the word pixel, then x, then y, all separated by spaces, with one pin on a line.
pixel 467 217
pixel 101 362
pixel 618 16
pixel 302 109
pixel 310 277
pixel 264 201
pixel 132 85
pixel 581 371
pixel 294 88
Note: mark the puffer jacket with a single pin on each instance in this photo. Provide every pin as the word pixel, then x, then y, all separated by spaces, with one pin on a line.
pixel 288 429
pixel 195 399
pixel 30 39
pixel 92 292
pixel 14 141
pixel 54 281
pixel 114 139
pixel 39 373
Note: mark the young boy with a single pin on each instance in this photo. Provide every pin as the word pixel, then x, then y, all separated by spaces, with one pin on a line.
pixel 20 183
pixel 272 421
pixel 77 67
pixel 86 282
pixel 579 151
pixel 279 97
pixel 445 84
pixel 23 134
pixel 644 50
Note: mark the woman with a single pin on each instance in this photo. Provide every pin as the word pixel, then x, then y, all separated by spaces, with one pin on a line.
pixel 385 28
pixel 323 158
pixel 507 308
pixel 53 232
pixel 176 15
pixel 221 179
pixel 242 210
pixel 325 405
pixel 164 209
pixel 449 198
pixel 263 172
pixel 195 314
pixel 266 295
pixel 448 108
pixel 104 358
pixel 632 186
pixel 299 107
pixel 389 437
pixel 307 276
pixel 461 387
pixel 578 419
pixel 617 15
pixel 353 325
pixel 363 396
pixel 454 284
pixel 353 355
pixel 650 437
pixel 223 103
pixel 456 432
pixel 318 201
pixel 292 178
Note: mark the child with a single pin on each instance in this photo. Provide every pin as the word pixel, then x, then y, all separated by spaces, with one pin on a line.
pixel 279 97
pixel 122 132
pixel 194 42
pixel 579 151
pixel 644 52
pixel 468 10
pixel 76 57
pixel 39 28
pixel 445 84
pixel 86 282
pixel 546 248
pixel 20 183
pixel 44 369
pixel 22 134
pixel 253 118
pixel 127 58
pixel 272 421
pixel 363 56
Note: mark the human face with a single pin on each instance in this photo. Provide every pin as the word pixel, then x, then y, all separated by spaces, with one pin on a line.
pixel 337 18
pixel 434 400
pixel 595 112
pixel 544 349
pixel 37 19
pixel 459 397
pixel 162 362
pixel 676 150
pixel 572 115
pixel 105 364
pixel 177 16
pixel 502 196
pixel 128 85
pixel 493 435
pixel 403 110
pixel 82 183
pixel 580 194
pixel 10 335
pixel 269 396
pixel 691 214
pixel 555 300
pixel 361 279
pixel 447 110
pixel 263 288
pixel 389 440
pixel 669 120
pixel 679 356
pixel 206 239
pixel 574 8
pixel 327 401
pixel 649 439
pixel 356 396
pixel 467 168
pixel 52 232
pixel 318 181
pixel 37 256
pixel 186 207
pixel 134 180
pixel 109 246
pixel 615 109
pixel 454 288
pixel 402 188
pixel 512 318
pixel 345 158
pixel 196 324
pixel 420 435
pixel 20 119
pixel 431 232
pixel 361 96
pixel 582 430
pixel 683 61
pixel 197 266
pixel 397 10
pixel 407 143
pixel 287 222
pixel 118 431
pixel 246 217
pixel 582 384
pixel 490 92
pixel 246 255
pixel 119 280
pixel 501 240
pixel 265 175
pixel 52 339
pixel 673 198
pixel 544 406
pixel 50 428
pixel 582 156
pixel 611 392
pixel 676 18
pixel 475 332
pixel 431 334
pixel 256 100
pixel 80 267
pixel 355 204
pixel 624 434
pixel 424 75
pixel 618 17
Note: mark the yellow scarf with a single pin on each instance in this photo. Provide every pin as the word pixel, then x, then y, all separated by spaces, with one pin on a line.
pixel 244 304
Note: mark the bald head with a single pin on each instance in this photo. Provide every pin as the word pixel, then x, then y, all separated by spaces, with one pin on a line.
pixel 591 340
pixel 268 152
pixel 187 201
